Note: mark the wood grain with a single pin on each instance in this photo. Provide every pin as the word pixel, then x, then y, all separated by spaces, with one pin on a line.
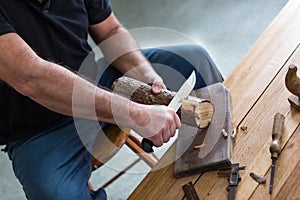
pixel 218 148
pixel 264 60
pixel 258 92
pixel 286 173
pixel 290 189
pixel 164 181
pixel 252 148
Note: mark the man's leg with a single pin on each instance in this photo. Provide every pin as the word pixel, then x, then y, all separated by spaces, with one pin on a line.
pixel 174 64
pixel 54 166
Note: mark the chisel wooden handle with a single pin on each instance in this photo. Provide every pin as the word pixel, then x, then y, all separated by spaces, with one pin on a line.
pixel 278 128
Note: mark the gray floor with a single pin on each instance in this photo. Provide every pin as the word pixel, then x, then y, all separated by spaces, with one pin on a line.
pixel 226 28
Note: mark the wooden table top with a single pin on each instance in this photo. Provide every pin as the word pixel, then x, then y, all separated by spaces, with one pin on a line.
pixel 258 92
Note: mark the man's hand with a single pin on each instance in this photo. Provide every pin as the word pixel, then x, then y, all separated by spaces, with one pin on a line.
pixel 130 61
pixel 158 85
pixel 155 122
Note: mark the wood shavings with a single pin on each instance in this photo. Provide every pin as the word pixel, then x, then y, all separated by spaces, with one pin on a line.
pixel 257 178
pixel 233 135
pixel 224 133
pixel 244 129
pixel 199 146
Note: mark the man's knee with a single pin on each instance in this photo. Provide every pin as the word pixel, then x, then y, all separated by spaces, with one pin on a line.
pixel 198 59
pixel 204 64
pixel 196 50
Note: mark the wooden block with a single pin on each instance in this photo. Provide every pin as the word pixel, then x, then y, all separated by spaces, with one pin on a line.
pixel 202 150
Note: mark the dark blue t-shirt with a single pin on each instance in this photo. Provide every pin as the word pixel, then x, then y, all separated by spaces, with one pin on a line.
pixel 57 31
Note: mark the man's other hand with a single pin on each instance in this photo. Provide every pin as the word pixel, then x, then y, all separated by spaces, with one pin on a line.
pixel 158 85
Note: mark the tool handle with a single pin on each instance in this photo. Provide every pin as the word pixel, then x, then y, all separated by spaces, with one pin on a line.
pixel 278 128
pixel 147 145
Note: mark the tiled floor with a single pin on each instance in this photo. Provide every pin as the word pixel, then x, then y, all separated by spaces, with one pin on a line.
pixel 226 28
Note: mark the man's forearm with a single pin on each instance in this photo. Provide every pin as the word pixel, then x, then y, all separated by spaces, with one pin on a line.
pixel 62 91
pixel 54 86
pixel 122 51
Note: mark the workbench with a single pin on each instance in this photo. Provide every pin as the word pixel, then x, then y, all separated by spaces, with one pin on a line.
pixel 258 92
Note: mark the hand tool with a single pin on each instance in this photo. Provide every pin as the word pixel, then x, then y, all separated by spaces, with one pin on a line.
pixel 190 192
pixel 175 104
pixel 278 128
pixel 292 82
pixel 234 179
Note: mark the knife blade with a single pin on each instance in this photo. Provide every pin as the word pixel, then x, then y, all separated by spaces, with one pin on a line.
pixel 175 103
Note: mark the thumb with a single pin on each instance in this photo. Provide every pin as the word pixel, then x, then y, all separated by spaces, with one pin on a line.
pixel 157 86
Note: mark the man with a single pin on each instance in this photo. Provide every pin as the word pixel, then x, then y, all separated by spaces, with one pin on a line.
pixel 40 41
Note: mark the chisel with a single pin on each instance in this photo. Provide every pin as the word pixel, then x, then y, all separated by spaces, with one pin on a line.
pixel 278 128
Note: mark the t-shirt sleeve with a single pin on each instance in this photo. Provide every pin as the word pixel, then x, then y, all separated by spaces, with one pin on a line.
pixel 5 26
pixel 98 10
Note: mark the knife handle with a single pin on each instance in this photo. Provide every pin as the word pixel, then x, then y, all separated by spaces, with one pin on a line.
pixel 147 145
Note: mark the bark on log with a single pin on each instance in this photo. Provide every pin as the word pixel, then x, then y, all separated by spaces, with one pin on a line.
pixel 194 111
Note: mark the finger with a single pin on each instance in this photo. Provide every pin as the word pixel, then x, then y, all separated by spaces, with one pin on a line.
pixel 165 138
pixel 166 135
pixel 177 121
pixel 157 86
pixel 157 140
pixel 172 130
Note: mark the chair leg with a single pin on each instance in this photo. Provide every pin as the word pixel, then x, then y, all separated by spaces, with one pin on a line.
pixel 148 158
pixel 120 173
pixel 135 145
pixel 115 177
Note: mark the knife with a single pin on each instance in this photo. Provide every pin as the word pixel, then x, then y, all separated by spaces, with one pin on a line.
pixel 175 103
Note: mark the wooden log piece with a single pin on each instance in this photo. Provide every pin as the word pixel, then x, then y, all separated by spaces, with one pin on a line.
pixel 194 111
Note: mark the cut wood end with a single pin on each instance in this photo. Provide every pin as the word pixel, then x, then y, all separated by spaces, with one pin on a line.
pixel 202 110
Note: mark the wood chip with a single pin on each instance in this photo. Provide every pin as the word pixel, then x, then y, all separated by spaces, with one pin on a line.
pixel 199 146
pixel 233 135
pixel 244 128
pixel 224 133
pixel 257 178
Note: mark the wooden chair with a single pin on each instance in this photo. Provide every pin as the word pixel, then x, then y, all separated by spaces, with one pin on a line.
pixel 109 143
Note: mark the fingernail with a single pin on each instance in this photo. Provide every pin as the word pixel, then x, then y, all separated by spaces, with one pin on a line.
pixel 156 88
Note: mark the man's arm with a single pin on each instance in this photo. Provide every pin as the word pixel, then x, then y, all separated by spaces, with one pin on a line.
pixel 46 83
pixel 51 85
pixel 134 62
